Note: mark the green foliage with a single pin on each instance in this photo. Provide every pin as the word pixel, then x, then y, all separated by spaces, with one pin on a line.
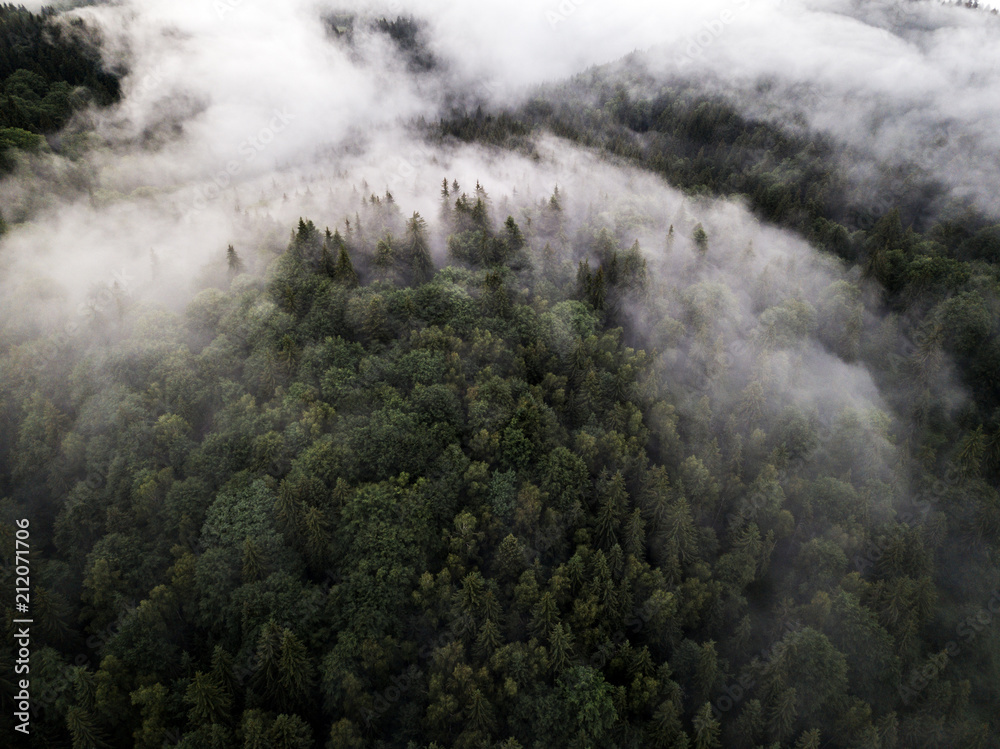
pixel 364 500
pixel 918 253
pixel 46 73
pixel 578 711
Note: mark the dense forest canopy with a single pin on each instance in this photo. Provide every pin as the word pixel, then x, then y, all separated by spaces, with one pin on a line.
pixel 938 264
pixel 606 463
pixel 47 70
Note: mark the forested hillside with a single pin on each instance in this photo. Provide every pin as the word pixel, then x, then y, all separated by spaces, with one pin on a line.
pixel 938 261
pixel 365 502
pixel 47 70
pixel 674 429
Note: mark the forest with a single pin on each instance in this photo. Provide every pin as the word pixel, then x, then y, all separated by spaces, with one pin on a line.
pixel 47 71
pixel 936 264
pixel 532 472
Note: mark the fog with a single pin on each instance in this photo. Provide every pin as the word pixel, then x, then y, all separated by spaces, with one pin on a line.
pixel 239 117
pixel 914 82
pixel 220 97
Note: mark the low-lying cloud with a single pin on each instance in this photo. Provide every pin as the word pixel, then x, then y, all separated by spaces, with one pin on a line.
pixel 239 117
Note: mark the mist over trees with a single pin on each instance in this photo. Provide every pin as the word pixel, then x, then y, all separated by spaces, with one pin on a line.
pixel 45 74
pixel 922 252
pixel 617 415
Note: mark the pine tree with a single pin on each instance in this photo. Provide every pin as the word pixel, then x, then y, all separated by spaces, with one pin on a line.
pixel 289 732
pixel 480 713
pixel 316 536
pixel 548 260
pixel 233 261
pixel 359 234
pixel 700 239
pixel 706 729
pixel 488 639
pixel 634 535
pixel 268 673
pixel 633 271
pixel 607 524
pixel 327 264
pixel 82 729
pixel 781 717
pixel 385 257
pixel 343 270
pixel 446 210
pixel 153 704
pixel 666 725
pixel 809 740
pixel 750 725
pixel 613 503
pixel 210 703
pixel 295 669
pixel 419 256
pixel 706 670
pixel 253 728
pixel 222 670
pixel 598 290
pixel 555 202
pixel 545 614
pixel 514 240
pixel 560 648
pixel 509 559
pixel 480 216
pixel 253 563
pixel 885 236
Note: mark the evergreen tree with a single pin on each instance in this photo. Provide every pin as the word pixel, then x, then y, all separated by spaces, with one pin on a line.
pixel 233 261
pixel 700 239
pixel 419 256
